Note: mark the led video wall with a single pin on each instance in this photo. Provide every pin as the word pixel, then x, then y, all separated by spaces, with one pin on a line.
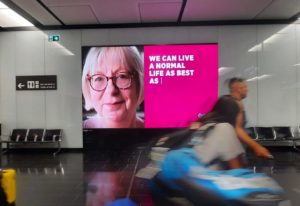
pixel 150 86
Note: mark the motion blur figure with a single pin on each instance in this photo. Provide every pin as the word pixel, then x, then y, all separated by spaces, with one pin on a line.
pixel 221 144
pixel 239 90
pixel 207 169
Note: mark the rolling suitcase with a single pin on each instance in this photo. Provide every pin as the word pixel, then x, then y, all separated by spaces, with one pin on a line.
pixel 8 183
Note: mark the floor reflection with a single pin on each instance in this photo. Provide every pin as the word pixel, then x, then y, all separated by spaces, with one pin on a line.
pixel 103 177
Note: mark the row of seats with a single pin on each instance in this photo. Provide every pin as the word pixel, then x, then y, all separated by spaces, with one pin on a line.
pixel 35 135
pixel 274 136
pixel 41 171
pixel 27 136
pixel 272 133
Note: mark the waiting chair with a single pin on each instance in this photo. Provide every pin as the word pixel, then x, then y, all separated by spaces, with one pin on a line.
pixel 252 132
pixel 265 133
pixel 284 133
pixel 53 135
pixel 18 135
pixel 35 135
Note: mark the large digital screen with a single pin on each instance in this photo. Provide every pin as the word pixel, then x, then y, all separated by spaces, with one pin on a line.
pixel 151 86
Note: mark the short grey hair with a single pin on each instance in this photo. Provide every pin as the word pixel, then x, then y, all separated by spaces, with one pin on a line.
pixel 130 57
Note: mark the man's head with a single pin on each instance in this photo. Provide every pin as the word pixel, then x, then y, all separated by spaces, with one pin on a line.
pixel 238 88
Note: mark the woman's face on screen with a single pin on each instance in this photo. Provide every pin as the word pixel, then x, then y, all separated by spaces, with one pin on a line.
pixel 112 104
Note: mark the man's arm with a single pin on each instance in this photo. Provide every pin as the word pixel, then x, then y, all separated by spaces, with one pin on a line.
pixel 195 125
pixel 234 163
pixel 244 137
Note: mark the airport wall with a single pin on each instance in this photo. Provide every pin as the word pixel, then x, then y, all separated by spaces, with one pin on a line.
pixel 268 56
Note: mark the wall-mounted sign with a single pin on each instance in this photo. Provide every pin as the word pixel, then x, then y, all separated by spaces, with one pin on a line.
pixel 54 37
pixel 46 82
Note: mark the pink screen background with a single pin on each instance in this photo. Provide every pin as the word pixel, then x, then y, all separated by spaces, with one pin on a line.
pixel 176 101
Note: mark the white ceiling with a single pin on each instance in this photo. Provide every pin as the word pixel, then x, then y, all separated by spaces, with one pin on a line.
pixel 103 12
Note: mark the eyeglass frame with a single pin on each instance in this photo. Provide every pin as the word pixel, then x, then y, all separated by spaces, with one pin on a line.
pixel 113 78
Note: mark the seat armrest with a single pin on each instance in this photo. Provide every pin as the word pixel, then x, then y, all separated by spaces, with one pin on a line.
pixel 52 135
pixel 56 138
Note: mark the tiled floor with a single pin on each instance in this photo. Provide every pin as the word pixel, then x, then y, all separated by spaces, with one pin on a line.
pixel 79 179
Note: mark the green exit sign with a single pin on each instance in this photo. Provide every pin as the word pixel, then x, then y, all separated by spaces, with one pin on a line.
pixel 54 37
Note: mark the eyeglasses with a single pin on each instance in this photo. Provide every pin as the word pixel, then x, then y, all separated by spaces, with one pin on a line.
pixel 99 82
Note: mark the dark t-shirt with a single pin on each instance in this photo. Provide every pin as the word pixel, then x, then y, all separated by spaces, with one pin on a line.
pixel 242 109
pixel 226 110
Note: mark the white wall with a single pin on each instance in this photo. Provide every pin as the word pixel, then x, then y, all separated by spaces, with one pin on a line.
pixel 30 53
pixel 236 60
pixel 270 53
pixel 246 51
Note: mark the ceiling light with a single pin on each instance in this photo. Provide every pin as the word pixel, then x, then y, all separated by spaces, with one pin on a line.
pixel 225 70
pixel 9 18
pixel 264 76
pixel 256 48
pixel 3 6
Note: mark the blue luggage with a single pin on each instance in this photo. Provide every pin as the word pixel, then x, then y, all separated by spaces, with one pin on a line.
pixel 186 177
pixel 182 179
